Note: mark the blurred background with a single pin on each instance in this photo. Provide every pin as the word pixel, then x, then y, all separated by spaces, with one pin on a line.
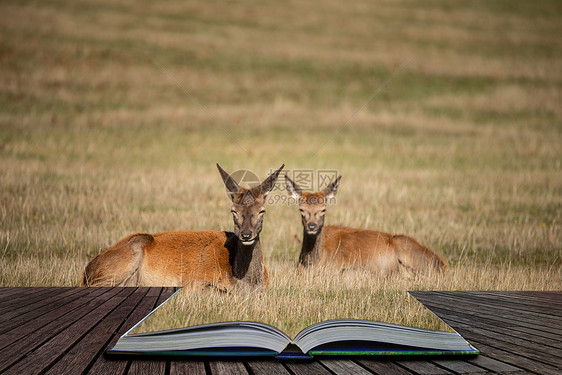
pixel 444 119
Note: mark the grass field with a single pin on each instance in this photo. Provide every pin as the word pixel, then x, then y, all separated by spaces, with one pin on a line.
pixel 460 146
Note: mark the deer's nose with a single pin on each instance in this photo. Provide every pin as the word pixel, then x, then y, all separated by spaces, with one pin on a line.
pixel 311 226
pixel 246 236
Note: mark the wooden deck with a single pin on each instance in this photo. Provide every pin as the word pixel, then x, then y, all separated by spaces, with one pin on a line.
pixel 66 330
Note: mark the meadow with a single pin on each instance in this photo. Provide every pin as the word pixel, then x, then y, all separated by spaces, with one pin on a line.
pixel 443 118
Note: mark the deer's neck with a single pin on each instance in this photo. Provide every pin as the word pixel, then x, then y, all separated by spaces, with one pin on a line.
pixel 311 245
pixel 247 265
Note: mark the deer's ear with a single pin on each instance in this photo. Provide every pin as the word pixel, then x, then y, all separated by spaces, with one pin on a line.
pixel 231 185
pixel 267 185
pixel 294 190
pixel 331 190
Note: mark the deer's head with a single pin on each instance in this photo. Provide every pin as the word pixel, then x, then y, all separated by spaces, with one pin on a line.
pixel 312 205
pixel 248 205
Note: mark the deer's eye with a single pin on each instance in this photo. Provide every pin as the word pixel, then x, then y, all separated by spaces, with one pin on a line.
pixel 235 213
pixel 261 212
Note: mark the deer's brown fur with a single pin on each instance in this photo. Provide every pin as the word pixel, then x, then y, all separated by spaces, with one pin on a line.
pixel 223 260
pixel 349 247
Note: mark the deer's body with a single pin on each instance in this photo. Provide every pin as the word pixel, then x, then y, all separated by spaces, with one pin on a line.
pixel 223 260
pixel 363 248
pixel 349 247
pixel 179 258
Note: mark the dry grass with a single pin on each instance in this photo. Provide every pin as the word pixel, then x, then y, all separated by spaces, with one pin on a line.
pixel 462 150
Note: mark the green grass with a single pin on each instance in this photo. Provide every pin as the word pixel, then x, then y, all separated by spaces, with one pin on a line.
pixel 461 150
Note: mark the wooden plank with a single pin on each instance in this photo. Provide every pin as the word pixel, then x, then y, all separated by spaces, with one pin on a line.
pixel 493 365
pixel 103 365
pixel 85 351
pixel 534 296
pixel 469 327
pixel 22 303
pixel 460 320
pixel 47 354
pixel 19 293
pixel 7 309
pixel 488 316
pixel 267 368
pixel 553 299
pixel 480 313
pixel 344 367
pixel 507 302
pixel 51 301
pixel 307 368
pixel 459 366
pixel 512 358
pixel 514 335
pixel 449 312
pixel 5 290
pixel 506 309
pixel 518 296
pixel 523 303
pixel 21 297
pixel 20 332
pixel 21 345
pixel 520 347
pixel 423 367
pixel 147 367
pixel 227 368
pixel 382 367
pixel 510 343
pixel 549 295
pixel 549 337
pixel 186 367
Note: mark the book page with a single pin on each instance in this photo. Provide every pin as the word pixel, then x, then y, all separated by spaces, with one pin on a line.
pixel 297 299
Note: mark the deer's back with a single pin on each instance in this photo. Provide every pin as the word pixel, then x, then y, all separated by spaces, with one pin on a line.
pixel 350 246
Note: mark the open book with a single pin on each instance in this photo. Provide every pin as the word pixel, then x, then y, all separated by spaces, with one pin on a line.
pixel 326 338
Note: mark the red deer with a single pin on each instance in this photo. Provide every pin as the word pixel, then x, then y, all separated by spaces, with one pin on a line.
pixel 222 260
pixel 348 247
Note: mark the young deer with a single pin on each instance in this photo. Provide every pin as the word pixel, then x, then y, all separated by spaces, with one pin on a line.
pixel 348 247
pixel 223 260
